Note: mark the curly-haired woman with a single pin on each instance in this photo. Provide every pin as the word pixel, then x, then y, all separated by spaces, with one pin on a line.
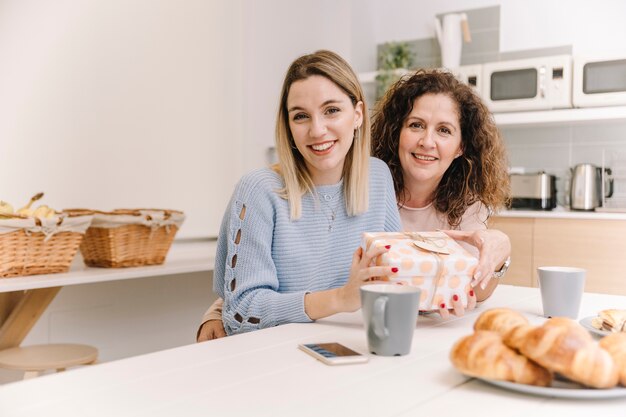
pixel 448 163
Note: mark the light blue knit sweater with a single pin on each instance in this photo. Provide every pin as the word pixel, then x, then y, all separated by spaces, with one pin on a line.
pixel 264 277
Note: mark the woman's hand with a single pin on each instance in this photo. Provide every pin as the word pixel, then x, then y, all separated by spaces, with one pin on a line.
pixel 212 329
pixel 494 248
pixel 456 306
pixel 361 273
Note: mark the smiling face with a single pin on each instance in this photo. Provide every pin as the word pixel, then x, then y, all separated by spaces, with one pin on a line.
pixel 322 120
pixel 430 139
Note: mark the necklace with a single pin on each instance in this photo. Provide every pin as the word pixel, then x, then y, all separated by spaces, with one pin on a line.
pixel 330 202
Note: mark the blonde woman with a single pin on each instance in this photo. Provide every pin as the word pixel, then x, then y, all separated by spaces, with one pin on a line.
pixel 286 249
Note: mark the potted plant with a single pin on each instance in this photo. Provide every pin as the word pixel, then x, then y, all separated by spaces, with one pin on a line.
pixel 394 59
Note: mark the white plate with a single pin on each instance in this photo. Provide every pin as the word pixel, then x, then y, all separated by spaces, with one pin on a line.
pixel 560 389
pixel 586 323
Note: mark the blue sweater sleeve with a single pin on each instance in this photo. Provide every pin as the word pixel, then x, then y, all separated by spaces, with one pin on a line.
pixel 392 218
pixel 245 274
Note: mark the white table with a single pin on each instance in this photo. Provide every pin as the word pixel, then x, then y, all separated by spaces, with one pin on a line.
pixel 24 299
pixel 264 374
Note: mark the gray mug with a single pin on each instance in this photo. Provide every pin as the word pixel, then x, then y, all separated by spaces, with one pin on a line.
pixel 389 313
pixel 561 290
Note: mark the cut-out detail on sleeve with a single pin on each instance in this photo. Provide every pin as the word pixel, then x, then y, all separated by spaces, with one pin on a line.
pixel 254 320
pixel 234 261
pixel 238 237
pixel 233 284
pixel 238 317
pixel 242 213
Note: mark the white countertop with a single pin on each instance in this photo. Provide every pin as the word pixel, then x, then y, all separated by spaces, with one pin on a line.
pixel 563 213
pixel 264 374
pixel 183 257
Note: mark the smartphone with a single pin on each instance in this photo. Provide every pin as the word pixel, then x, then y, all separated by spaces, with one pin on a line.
pixel 333 353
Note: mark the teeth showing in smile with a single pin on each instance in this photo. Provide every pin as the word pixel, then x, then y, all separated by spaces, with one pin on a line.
pixel 323 146
pixel 425 158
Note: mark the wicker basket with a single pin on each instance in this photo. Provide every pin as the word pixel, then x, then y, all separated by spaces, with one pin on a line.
pixel 126 238
pixel 31 246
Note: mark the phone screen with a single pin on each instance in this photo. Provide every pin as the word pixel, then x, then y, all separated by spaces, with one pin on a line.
pixel 331 350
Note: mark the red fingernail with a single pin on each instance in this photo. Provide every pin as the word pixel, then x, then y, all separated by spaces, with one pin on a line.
pixel 387 246
pixel 471 293
pixel 394 269
pixel 442 305
pixel 455 297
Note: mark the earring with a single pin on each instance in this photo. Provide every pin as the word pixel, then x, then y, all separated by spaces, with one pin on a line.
pixel 357 133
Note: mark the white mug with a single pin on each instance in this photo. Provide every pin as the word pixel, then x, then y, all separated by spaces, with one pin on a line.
pixel 561 288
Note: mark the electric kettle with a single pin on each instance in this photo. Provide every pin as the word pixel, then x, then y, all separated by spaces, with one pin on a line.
pixel 586 186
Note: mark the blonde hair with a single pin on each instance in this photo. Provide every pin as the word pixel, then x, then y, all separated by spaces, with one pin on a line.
pixel 291 165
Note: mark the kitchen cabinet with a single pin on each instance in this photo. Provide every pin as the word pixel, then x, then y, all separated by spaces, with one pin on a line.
pixel 520 231
pixel 594 244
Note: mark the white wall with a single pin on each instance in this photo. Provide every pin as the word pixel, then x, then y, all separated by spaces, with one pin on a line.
pixel 275 32
pixel 591 27
pixel 116 103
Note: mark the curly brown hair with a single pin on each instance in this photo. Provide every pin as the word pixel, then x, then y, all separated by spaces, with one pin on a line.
pixel 479 175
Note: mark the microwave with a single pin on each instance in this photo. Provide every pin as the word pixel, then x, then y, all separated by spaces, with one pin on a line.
pixel 528 84
pixel 599 81
pixel 471 75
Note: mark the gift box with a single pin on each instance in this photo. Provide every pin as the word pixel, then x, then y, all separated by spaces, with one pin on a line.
pixel 432 261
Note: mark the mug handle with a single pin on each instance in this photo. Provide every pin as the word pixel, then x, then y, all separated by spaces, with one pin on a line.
pixel 378 319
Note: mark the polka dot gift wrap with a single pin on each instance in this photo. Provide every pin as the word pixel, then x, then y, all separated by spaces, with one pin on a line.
pixel 432 261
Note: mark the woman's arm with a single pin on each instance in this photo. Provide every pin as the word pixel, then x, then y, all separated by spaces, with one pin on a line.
pixel 212 326
pixel 247 277
pixel 494 248
pixel 245 273
pixel 348 298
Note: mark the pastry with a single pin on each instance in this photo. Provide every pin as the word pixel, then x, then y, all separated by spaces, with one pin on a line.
pixel 483 354
pixel 562 345
pixel 615 344
pixel 500 320
pixel 613 320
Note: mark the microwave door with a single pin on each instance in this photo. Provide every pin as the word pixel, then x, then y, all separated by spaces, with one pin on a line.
pixel 600 82
pixel 514 85
pixel 604 77
pixel 514 89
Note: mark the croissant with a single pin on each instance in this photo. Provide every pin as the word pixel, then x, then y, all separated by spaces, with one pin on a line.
pixel 613 320
pixel 615 344
pixel 516 336
pixel 483 354
pixel 563 346
pixel 500 320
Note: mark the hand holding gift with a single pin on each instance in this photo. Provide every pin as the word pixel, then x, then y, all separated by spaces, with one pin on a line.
pixel 432 261
pixel 363 272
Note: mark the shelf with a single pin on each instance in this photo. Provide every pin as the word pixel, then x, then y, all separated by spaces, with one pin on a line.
pixel 183 257
pixel 560 117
